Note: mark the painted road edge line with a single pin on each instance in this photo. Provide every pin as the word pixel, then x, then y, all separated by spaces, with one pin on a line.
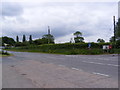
pixel 75 69
pixel 101 63
pixel 101 74
pixel 113 65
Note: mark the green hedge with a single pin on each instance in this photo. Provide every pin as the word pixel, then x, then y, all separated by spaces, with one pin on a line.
pixel 65 46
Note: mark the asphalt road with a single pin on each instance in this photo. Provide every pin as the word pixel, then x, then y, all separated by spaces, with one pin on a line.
pixel 106 65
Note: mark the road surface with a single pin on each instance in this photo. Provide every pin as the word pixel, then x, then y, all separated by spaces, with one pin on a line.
pixel 104 65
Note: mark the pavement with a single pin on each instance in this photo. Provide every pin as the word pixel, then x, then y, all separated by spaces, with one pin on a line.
pixel 60 71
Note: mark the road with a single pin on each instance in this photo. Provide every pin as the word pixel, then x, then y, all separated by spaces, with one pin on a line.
pixel 104 65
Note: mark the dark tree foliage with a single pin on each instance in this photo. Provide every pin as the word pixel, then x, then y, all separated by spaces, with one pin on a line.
pixel 24 38
pixel 48 38
pixel 30 39
pixel 39 41
pixel 112 39
pixel 100 40
pixel 117 32
pixel 17 39
pixel 8 40
pixel 0 41
pixel 117 35
pixel 78 37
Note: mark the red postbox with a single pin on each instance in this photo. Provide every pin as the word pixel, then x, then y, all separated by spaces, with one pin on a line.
pixel 110 46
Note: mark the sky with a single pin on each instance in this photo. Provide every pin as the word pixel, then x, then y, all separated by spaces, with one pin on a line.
pixel 93 19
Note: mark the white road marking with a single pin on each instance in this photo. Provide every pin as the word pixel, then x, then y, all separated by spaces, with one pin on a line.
pixel 72 68
pixel 113 65
pixel 101 63
pixel 101 74
pixel 104 59
pixel 75 69
pixel 93 62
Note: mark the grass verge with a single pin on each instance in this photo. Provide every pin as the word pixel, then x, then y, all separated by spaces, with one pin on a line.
pixel 3 54
pixel 94 51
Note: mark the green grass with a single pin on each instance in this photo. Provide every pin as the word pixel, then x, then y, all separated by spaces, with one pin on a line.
pixel 93 51
pixel 2 54
pixel 67 49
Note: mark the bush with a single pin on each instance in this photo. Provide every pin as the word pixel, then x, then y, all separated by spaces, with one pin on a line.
pixel 67 48
pixel 4 52
pixel 19 44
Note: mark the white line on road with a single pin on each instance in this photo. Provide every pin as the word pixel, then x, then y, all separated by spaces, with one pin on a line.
pixel 100 63
pixel 93 62
pixel 101 74
pixel 75 69
pixel 113 65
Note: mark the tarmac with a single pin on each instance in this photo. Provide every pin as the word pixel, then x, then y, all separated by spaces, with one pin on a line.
pixel 48 75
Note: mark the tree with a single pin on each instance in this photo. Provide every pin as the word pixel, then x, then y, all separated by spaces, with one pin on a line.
pixel 24 38
pixel 100 40
pixel 8 40
pixel 30 39
pixel 112 39
pixel 78 34
pixel 117 35
pixel 0 41
pixel 17 39
pixel 117 29
pixel 48 37
pixel 78 37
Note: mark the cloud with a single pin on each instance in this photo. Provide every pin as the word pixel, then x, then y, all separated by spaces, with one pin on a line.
pixel 94 20
pixel 11 9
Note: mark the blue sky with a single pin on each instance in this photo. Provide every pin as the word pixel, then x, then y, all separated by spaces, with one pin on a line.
pixel 93 19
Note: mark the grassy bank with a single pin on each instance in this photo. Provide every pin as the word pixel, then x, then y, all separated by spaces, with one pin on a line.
pixel 4 53
pixel 67 49
pixel 93 51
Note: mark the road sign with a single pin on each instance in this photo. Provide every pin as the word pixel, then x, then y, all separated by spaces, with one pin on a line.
pixel 89 45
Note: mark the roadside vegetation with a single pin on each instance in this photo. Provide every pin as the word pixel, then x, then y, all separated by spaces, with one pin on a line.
pixel 4 53
pixel 67 49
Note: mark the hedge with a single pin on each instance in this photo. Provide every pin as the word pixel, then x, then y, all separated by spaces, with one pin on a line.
pixel 65 46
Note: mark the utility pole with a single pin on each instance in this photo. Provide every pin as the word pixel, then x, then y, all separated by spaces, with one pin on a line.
pixel 114 29
pixel 114 33
pixel 48 34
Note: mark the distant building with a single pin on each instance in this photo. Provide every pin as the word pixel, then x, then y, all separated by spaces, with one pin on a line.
pixel 119 9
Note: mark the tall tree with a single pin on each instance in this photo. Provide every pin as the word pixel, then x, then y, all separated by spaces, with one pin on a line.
pixel 117 29
pixel 48 37
pixel 112 39
pixel 78 37
pixel 30 39
pixel 117 34
pixel 17 38
pixel 24 38
pixel 100 40
pixel 78 34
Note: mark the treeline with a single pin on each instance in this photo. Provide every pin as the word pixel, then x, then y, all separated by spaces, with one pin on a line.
pixel 7 41
pixel 49 39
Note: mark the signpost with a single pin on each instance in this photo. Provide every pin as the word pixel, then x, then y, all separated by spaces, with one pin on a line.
pixel 89 45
